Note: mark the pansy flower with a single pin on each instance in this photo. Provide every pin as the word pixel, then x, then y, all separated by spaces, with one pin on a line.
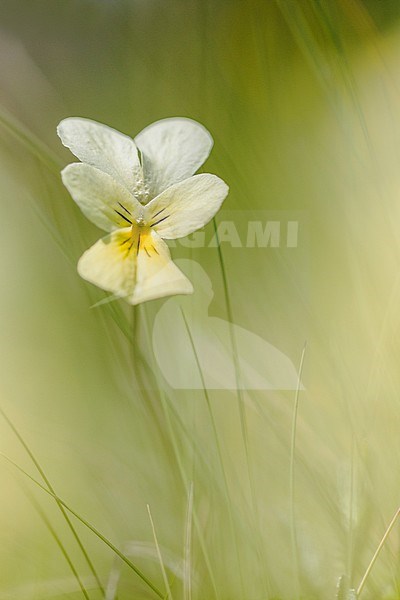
pixel 142 191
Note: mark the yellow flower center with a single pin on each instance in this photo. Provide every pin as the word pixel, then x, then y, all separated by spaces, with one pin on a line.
pixel 140 236
pixel 137 240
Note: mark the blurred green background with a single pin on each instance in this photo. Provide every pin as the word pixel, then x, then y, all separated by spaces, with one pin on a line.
pixel 302 99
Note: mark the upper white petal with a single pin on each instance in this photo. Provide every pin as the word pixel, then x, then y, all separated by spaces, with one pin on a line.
pixel 105 202
pixel 172 150
pixel 186 206
pixel 104 148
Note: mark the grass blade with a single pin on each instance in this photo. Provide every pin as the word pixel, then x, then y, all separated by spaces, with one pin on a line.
pixel 58 542
pixel 187 578
pixel 93 529
pixel 31 142
pixel 164 574
pixel 218 445
pixel 292 480
pixel 377 551
pixel 59 504
pixel 240 402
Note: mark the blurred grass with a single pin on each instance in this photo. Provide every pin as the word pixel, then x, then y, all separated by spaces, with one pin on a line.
pixel 302 99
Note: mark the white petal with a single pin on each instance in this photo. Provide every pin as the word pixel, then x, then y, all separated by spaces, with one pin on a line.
pixel 186 206
pixel 172 150
pixel 115 265
pixel 104 201
pixel 104 148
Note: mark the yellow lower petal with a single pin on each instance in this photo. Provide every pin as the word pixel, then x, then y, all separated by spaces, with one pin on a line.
pixel 133 264
pixel 156 274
